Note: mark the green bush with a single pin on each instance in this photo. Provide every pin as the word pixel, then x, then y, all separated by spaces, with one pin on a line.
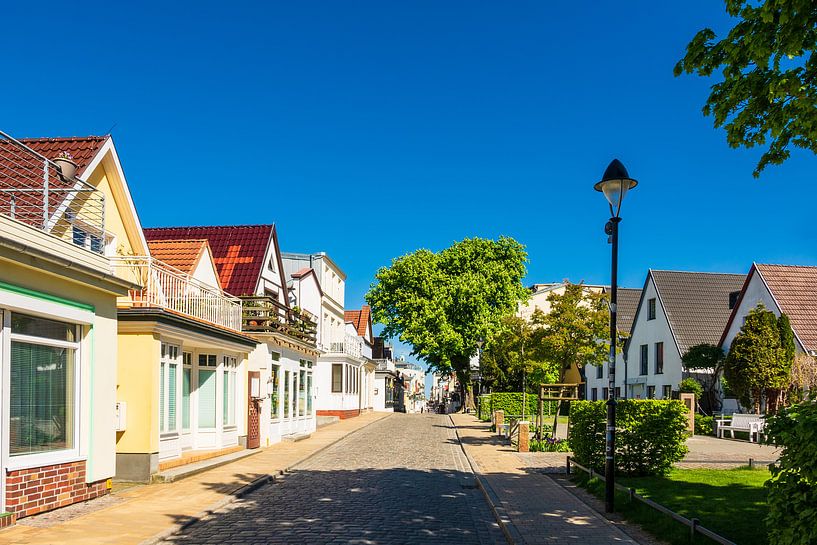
pixel 511 403
pixel 691 386
pixel 704 425
pixel 792 489
pixel 650 434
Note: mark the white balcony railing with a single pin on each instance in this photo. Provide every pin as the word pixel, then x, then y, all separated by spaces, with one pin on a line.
pixel 35 191
pixel 169 288
pixel 351 345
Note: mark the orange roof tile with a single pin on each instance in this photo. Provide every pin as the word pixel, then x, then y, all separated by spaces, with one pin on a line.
pixel 359 318
pixel 794 287
pixel 182 254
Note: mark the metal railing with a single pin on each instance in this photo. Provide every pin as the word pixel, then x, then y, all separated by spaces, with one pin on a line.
pixel 263 314
pixel 169 288
pixel 351 345
pixel 34 191
pixel 693 524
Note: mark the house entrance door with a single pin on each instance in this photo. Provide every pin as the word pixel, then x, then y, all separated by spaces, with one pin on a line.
pixel 254 410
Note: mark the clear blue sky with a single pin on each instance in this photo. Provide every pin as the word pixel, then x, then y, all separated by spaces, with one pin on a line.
pixel 370 129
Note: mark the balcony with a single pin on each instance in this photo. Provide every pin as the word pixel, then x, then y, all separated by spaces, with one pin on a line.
pixel 351 345
pixel 34 191
pixel 166 287
pixel 265 315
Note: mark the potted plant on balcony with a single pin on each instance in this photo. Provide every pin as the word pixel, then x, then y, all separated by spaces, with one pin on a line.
pixel 65 161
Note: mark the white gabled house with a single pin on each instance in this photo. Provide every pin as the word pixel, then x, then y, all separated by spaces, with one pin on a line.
pixel 676 311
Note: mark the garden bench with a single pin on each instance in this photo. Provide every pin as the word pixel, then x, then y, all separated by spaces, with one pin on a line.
pixel 751 423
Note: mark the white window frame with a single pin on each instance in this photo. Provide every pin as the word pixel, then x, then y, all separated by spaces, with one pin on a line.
pixel 229 366
pixel 164 362
pixel 22 304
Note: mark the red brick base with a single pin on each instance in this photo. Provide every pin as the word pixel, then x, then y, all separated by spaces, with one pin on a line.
pixel 35 490
pixel 350 413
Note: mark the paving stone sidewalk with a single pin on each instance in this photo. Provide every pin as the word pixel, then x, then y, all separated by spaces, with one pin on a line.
pixel 539 509
pixel 139 513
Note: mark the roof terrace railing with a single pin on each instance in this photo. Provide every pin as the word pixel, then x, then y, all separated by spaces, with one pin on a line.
pixel 34 190
pixel 169 288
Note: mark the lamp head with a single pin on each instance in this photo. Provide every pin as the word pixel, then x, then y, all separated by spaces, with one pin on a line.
pixel 614 184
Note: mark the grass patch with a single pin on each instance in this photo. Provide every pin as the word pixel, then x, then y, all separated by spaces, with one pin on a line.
pixel 730 502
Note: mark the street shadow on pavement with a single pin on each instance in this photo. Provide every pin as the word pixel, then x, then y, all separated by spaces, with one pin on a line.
pixel 360 506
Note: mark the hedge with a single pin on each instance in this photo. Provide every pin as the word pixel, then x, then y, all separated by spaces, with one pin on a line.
pixel 792 497
pixel 704 425
pixel 650 434
pixel 511 403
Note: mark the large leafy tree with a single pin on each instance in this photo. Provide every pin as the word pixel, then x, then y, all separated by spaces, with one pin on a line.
pixel 574 333
pixel 443 303
pixel 769 68
pixel 760 358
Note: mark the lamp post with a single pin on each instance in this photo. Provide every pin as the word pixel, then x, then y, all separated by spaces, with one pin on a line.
pixel 614 185
pixel 480 342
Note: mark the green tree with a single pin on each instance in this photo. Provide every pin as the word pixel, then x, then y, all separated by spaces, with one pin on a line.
pixel 570 334
pixel 515 351
pixel 443 303
pixel 758 365
pixel 769 69
pixel 707 360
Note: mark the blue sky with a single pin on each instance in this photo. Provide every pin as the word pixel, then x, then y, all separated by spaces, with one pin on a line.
pixel 370 129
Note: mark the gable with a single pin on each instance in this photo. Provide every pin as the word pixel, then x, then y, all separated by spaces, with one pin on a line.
pixel 272 275
pixel 794 289
pixel 646 331
pixel 754 291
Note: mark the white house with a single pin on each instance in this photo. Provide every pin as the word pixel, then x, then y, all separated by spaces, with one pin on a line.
pixel 677 310
pixel 787 289
pixel 386 378
pixel 340 369
pixel 597 377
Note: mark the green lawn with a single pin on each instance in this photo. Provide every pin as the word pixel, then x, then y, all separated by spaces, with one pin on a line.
pixel 730 502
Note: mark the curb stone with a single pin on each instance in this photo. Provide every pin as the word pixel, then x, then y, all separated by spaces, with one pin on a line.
pixel 512 534
pixel 238 492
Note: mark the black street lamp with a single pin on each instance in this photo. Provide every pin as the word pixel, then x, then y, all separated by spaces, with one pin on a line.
pixel 614 184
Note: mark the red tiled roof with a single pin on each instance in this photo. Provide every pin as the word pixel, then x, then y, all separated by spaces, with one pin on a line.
pixel 182 254
pixel 794 288
pixel 359 318
pixel 238 251
pixel 82 148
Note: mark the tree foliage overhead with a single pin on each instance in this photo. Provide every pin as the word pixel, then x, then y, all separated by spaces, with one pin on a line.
pixel 769 68
pixel 759 362
pixel 442 303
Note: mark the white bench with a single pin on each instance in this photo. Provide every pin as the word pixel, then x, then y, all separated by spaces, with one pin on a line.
pixel 751 423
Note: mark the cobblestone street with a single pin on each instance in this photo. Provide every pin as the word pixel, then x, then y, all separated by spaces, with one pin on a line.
pixel 401 480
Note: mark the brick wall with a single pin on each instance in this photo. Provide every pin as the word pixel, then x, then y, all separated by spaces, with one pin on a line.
pixel 34 490
pixel 343 415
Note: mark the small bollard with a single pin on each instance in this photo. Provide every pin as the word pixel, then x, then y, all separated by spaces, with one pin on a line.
pixel 692 529
pixel 751 463
pixel 524 436
pixel 631 492
pixel 499 422
pixel 567 468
